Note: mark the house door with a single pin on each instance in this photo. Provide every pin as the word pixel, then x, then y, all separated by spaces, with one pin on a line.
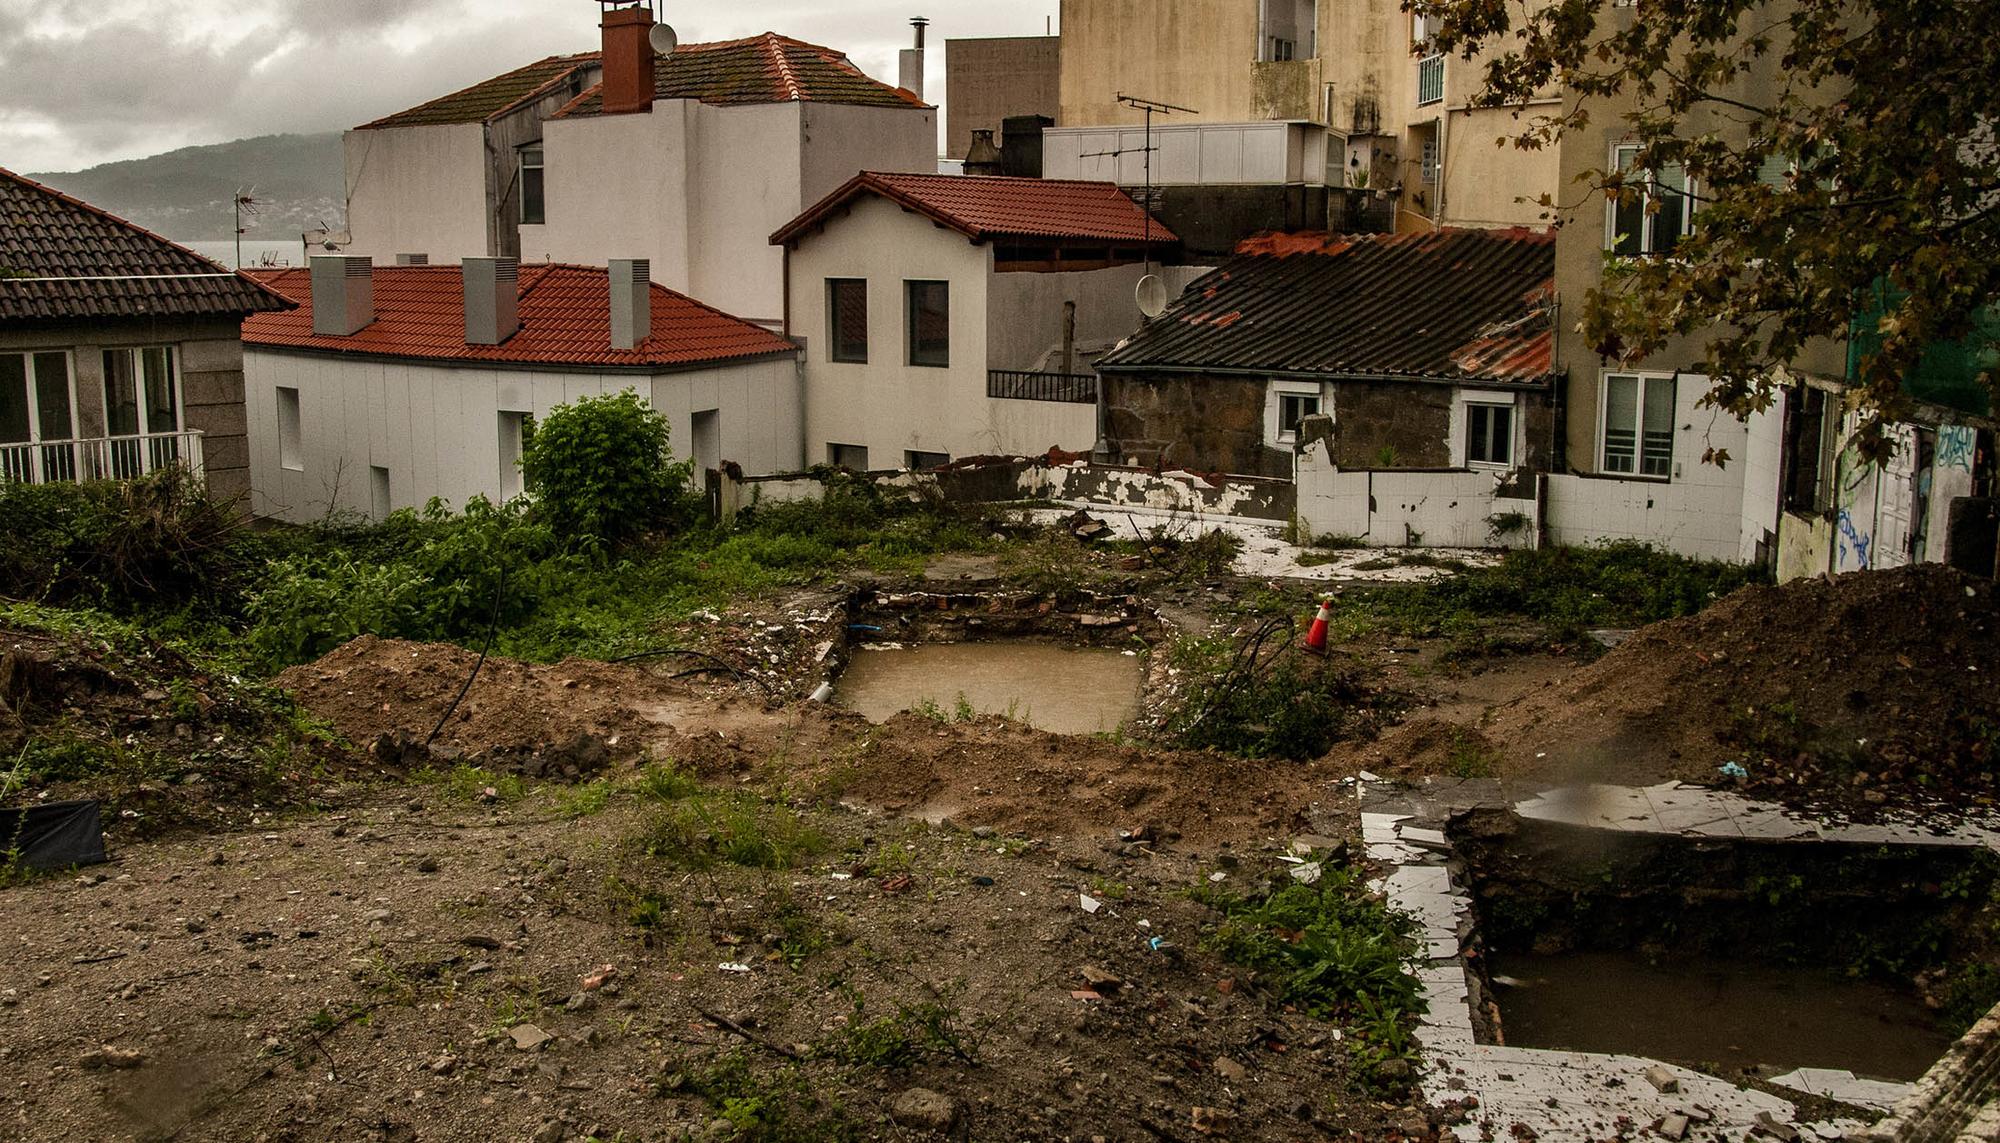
pixel 141 404
pixel 35 412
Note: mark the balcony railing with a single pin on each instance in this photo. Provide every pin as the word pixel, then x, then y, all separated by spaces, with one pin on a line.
pixel 99 458
pixel 1025 385
pixel 1430 79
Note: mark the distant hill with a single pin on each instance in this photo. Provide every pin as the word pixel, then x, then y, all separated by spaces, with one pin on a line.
pixel 185 194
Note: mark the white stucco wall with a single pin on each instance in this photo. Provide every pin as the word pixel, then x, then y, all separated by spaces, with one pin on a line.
pixel 1390 509
pixel 616 186
pixel 699 189
pixel 743 184
pixel 838 141
pixel 1006 321
pixel 437 429
pixel 417 190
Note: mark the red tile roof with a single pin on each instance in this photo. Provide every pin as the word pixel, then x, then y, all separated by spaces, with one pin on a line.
pixel 489 99
pixel 62 259
pixel 565 320
pixel 769 68
pixel 983 207
pixel 1472 305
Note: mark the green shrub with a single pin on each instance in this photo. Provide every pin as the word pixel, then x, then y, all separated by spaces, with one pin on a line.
pixel 155 542
pixel 600 469
pixel 1291 707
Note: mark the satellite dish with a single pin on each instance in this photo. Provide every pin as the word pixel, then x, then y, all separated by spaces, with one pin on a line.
pixel 663 39
pixel 1152 295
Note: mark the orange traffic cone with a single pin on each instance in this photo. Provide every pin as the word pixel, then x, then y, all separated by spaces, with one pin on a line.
pixel 1316 634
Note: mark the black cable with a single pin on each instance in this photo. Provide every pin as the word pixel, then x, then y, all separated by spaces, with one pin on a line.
pixel 492 628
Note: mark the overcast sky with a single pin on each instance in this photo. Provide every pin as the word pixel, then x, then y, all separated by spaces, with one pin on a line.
pixel 88 81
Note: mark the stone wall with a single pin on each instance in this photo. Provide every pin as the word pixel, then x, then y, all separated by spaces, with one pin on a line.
pixel 1958 1100
pixel 1196 421
pixel 1412 420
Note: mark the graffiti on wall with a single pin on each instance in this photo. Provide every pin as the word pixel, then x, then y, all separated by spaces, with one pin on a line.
pixel 1854 530
pixel 1954 447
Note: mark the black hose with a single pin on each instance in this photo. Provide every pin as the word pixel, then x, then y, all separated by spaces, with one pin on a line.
pixel 721 667
pixel 492 628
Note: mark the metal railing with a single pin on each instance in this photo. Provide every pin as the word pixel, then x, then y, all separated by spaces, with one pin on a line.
pixel 1430 79
pixel 1027 385
pixel 100 458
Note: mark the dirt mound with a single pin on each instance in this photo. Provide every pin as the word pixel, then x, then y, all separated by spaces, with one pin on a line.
pixel 993 772
pixel 558 720
pixel 1837 687
pixel 101 711
pixel 1423 745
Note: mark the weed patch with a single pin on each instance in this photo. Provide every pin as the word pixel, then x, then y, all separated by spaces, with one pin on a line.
pixel 702 830
pixel 1337 952
pixel 781 1105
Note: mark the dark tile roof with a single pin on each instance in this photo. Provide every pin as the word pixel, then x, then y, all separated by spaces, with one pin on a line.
pixel 769 68
pixel 565 320
pixel 1455 305
pixel 984 207
pixel 62 259
pixel 492 98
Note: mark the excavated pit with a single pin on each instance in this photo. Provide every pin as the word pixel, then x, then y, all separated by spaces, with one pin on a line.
pixel 1729 955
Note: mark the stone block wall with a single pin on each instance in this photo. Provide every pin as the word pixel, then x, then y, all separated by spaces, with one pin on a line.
pixel 1196 421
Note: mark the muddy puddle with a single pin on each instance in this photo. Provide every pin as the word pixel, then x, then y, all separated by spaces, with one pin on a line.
pixel 1064 690
pixel 1713 1011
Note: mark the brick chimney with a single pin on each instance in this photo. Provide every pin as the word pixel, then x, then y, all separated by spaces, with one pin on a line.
pixel 631 302
pixel 492 299
pixel 628 60
pixel 343 293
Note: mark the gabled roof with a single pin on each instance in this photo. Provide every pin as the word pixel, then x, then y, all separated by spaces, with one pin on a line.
pixel 490 99
pixel 62 259
pixel 983 207
pixel 1470 305
pixel 769 68
pixel 565 321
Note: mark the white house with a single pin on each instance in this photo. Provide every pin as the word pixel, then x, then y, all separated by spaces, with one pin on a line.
pixel 689 160
pixel 947 316
pixel 389 386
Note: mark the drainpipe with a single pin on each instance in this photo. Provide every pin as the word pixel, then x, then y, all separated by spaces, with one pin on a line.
pixel 1069 338
pixel 1443 130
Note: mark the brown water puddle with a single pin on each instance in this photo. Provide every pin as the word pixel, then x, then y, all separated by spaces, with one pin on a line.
pixel 1708 1011
pixel 1064 690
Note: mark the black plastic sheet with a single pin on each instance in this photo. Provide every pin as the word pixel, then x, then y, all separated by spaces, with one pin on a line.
pixel 57 836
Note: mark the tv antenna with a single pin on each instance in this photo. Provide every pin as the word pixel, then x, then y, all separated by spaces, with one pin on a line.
pixel 1151 293
pixel 245 203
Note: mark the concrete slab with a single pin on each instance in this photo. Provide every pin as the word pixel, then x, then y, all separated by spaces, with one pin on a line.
pixel 1845 1086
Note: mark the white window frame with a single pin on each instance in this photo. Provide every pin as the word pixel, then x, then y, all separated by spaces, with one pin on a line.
pixel 1463 403
pixel 41 458
pixel 1623 158
pixel 523 166
pixel 291 429
pixel 146 427
pixel 35 433
pixel 1274 407
pixel 511 428
pixel 1646 382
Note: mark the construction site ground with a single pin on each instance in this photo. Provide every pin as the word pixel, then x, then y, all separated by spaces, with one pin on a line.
pixel 533 924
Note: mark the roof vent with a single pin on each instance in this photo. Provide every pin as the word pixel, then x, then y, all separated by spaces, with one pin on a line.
pixel 343 291
pixel 631 302
pixel 413 259
pixel 628 60
pixel 492 299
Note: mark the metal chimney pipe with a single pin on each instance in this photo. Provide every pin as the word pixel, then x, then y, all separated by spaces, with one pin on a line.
pixel 910 61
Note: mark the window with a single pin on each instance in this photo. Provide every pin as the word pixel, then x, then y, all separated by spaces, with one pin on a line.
pixel 35 407
pixel 1805 444
pixel 918 461
pixel 534 206
pixel 513 430
pixel 1283 50
pixel 928 318
pixel 1293 408
pixel 141 402
pixel 1489 435
pixel 852 457
pixel 1656 218
pixel 1638 424
pixel 378 491
pixel 291 442
pixel 847 319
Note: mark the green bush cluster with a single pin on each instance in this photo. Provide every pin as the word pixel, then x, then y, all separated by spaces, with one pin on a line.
pixel 158 540
pixel 1290 707
pixel 600 470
